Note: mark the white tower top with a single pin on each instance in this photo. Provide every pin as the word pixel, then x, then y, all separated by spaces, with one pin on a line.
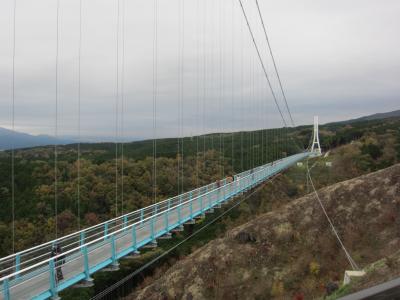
pixel 316 147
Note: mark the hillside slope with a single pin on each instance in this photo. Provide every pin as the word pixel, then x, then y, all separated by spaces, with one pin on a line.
pixel 292 250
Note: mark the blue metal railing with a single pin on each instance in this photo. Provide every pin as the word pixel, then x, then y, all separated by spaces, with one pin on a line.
pixel 103 245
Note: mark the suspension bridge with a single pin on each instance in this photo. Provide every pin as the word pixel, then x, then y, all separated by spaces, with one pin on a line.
pixel 32 273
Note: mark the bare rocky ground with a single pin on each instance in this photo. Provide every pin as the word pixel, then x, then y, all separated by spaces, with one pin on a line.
pixel 291 252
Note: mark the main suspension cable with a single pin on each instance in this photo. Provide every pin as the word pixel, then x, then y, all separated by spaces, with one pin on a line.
pixel 262 63
pixel 274 63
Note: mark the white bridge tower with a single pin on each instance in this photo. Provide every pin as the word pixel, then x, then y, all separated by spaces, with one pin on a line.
pixel 316 147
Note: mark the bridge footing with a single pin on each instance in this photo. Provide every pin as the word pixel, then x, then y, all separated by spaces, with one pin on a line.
pixel 201 216
pixel 111 268
pixel 166 236
pixel 134 254
pixel 151 245
pixel 178 229
pixel 84 284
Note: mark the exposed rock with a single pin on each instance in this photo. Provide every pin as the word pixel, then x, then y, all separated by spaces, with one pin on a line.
pixel 245 237
pixel 271 255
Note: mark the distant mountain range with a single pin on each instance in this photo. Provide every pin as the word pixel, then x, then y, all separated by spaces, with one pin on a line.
pixel 9 139
pixel 378 116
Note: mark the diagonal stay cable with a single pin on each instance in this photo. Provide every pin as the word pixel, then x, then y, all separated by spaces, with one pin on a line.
pixel 262 63
pixel 274 63
pixel 136 272
pixel 348 256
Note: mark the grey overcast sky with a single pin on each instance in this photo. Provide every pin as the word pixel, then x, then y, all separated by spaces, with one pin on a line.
pixel 337 59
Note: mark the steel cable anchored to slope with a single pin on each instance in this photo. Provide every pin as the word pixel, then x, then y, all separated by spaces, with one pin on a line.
pixel 348 256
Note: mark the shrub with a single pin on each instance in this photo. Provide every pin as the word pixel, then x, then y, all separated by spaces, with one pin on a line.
pixel 314 268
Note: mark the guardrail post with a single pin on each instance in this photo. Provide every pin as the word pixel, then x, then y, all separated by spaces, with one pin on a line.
pixel 53 283
pixel 6 289
pixel 141 216
pixel 166 215
pixel 17 264
pixel 125 222
pixel 86 265
pixel 209 199
pixel 105 230
pixel 201 202
pixel 179 209
pixel 225 187
pixel 115 263
pixel 152 228
pixel 82 238
pixel 191 205
pixel 134 242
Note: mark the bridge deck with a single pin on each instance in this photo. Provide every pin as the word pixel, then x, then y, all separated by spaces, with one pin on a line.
pixel 31 273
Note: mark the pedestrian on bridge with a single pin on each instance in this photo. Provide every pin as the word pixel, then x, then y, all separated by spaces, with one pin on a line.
pixel 58 261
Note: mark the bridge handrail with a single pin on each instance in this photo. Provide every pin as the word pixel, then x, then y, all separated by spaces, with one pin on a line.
pixel 11 258
pixel 77 233
pixel 123 229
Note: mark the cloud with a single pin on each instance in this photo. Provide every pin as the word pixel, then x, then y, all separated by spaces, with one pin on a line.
pixel 336 59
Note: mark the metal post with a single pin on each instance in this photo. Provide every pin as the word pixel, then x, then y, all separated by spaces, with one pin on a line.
pixel 86 264
pixel 191 205
pixel 152 229
pixel 179 209
pixel 141 216
pixel 134 241
pixel 17 264
pixel 105 230
pixel 166 214
pixel 6 289
pixel 113 251
pixel 125 221
pixel 53 283
pixel 82 238
pixel 209 199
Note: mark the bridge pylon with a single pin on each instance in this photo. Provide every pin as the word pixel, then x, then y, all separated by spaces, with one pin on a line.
pixel 316 147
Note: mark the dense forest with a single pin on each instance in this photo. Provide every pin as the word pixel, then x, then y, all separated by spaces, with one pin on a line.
pixel 124 174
